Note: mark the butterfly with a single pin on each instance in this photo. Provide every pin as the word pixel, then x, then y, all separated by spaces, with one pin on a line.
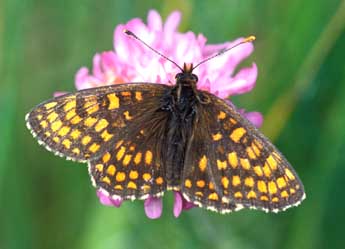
pixel 142 139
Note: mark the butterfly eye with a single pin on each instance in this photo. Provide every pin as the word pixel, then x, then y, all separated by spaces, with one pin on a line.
pixel 195 77
pixel 178 76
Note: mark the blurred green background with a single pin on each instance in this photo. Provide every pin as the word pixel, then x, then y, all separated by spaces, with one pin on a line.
pixel 47 202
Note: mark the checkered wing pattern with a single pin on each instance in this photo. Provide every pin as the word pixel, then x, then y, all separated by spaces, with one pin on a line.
pixel 230 165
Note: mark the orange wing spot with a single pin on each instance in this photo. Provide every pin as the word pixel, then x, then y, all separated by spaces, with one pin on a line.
pixel 236 180
pixel 70 114
pixel 250 153
pixel 111 170
pixel 52 116
pixel 138 96
pixel 47 134
pixel 137 158
pixel 94 147
pixel 127 160
pixel 63 131
pixel 198 193
pixel 289 174
pixel 232 159
pixel 262 187
pixel 281 182
pixel 120 176
pixel 92 109
pixel 200 183
pixel 147 177
pixel 106 180
pixel 264 198
pixel 44 124
pixel 50 105
pixel 106 157
pixel 188 183
pixel 237 134
pixel 126 94
pixel 272 187
pixel 159 180
pixel 225 182
pixel 76 119
pixel 238 195
pixel 131 185
pixel 245 163
pixel 70 105
pixel 249 181
pixel 221 165
pixel 203 163
pixel 85 140
pixel 56 139
pixel 258 170
pixel 275 199
pixel 76 151
pixel 118 187
pixel 133 174
pixel 213 197
pixel 271 162
pixel 217 136
pixel 39 117
pixel 284 194
pixel 103 123
pixel 127 115
pixel 99 167
pixel 211 186
pixel 148 157
pixel 118 144
pixel 90 121
pixel 146 188
pixel 267 170
pixel 251 195
pixel 221 115
pixel 120 153
pixel 106 136
pixel 67 143
pixel 256 149
pixel 292 191
pixel 56 125
pixel 276 155
pixel 114 101
pixel 258 144
pixel 233 121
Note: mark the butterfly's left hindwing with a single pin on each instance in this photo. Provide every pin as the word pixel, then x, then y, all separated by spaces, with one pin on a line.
pixel 230 165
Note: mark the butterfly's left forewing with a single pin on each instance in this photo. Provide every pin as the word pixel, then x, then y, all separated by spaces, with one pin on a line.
pixel 118 129
pixel 230 165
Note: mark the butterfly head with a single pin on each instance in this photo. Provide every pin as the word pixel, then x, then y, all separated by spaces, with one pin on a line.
pixel 186 77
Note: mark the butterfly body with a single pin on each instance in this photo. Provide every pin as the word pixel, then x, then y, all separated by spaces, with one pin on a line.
pixel 141 139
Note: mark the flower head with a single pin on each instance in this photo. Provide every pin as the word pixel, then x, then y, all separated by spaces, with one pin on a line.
pixel 130 61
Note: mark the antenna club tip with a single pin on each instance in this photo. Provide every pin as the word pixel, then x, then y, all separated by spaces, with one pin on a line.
pixel 127 32
pixel 249 38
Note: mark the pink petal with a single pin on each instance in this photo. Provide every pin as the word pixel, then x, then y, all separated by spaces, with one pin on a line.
pixel 153 207
pixel 108 201
pixel 172 22
pixel 187 205
pixel 244 81
pixel 154 20
pixel 255 118
pixel 57 94
pixel 178 204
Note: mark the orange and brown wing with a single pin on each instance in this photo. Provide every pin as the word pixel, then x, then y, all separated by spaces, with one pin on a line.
pixel 230 165
pixel 84 125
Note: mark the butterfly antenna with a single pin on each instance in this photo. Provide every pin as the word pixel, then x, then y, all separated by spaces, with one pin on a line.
pixel 247 39
pixel 130 33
